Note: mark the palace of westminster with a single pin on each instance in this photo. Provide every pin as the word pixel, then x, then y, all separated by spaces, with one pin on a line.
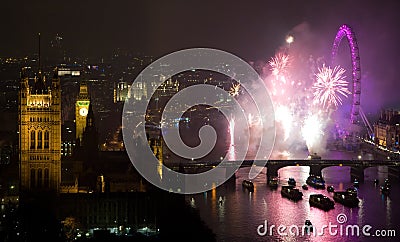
pixel 100 189
pixel 39 124
pixel 48 163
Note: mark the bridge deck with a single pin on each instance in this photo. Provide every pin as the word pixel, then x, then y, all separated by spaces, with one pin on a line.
pixel 248 163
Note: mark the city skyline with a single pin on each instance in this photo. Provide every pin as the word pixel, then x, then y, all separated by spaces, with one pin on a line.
pixel 254 31
pixel 180 121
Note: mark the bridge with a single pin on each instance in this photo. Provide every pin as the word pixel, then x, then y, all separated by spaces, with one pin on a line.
pixel 316 166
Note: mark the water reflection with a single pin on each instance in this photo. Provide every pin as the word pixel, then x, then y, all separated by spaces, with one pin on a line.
pixel 231 153
pixel 221 209
pixel 234 213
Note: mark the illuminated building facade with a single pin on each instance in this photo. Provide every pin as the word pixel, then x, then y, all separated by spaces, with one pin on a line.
pixel 39 124
pixel 67 138
pixel 122 91
pixel 387 130
pixel 81 111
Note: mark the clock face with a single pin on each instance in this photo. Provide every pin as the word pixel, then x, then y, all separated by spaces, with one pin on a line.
pixel 83 111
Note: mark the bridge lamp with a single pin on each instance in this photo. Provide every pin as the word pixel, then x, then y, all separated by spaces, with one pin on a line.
pixel 359 157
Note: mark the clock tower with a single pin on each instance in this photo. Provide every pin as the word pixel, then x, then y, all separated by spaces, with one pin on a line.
pixel 81 110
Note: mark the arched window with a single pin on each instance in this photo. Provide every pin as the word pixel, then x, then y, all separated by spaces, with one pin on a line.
pixel 46 139
pixel 39 142
pixel 33 138
pixel 46 177
pixel 33 178
pixel 39 178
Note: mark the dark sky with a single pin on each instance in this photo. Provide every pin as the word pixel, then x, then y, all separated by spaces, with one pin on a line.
pixel 251 29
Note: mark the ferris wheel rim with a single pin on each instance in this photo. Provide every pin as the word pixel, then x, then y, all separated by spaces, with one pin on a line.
pixel 346 31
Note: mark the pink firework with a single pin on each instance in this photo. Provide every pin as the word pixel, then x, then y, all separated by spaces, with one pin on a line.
pixel 330 86
pixel 279 64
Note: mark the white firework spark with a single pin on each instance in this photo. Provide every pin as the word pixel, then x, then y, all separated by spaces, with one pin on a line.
pixel 312 131
pixel 285 117
pixel 329 86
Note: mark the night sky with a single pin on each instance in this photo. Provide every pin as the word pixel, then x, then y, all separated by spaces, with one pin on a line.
pixel 253 30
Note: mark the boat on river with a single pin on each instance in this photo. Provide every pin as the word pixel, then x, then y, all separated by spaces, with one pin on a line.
pixel 346 198
pixel 248 184
pixel 316 182
pixel 321 201
pixel 291 193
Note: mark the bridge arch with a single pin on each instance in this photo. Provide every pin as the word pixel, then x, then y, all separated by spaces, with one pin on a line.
pixel 303 170
pixel 343 171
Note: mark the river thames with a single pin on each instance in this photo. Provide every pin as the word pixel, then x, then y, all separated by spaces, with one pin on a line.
pixel 235 214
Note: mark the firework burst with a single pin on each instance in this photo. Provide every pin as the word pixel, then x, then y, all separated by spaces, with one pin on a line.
pixel 279 64
pixel 234 91
pixel 330 86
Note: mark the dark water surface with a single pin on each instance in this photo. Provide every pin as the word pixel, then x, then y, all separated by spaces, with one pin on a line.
pixel 234 213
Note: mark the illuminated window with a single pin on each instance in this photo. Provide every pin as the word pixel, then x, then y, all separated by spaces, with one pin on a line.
pixel 46 139
pixel 33 137
pixel 39 143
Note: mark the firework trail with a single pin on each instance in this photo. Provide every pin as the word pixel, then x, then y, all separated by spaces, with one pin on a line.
pixel 285 117
pixel 329 86
pixel 312 131
pixel 232 131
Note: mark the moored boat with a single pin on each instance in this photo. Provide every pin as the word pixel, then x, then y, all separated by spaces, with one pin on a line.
pixel 248 184
pixel 387 183
pixel 321 201
pixel 385 190
pixel 352 190
pixel 273 182
pixel 292 181
pixel 346 198
pixel 308 227
pixel 316 182
pixel 356 183
pixel 291 193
